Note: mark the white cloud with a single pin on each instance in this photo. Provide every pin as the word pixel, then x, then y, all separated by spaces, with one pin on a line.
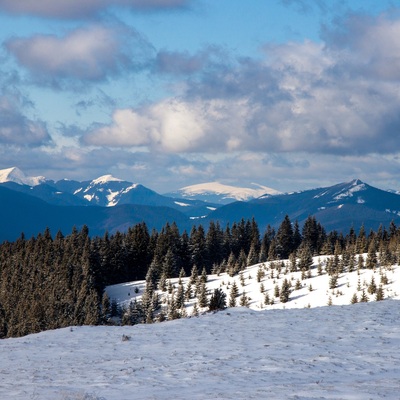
pixel 173 126
pixel 93 53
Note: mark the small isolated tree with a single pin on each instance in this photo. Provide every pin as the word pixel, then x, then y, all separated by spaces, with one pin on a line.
pixel 354 299
pixel 202 296
pixel 364 297
pixel 217 300
pixel 234 293
pixel 285 291
pixel 267 300
pixel 333 281
pixel 276 291
pixel 242 281
pixel 244 300
pixel 260 274
pixel 379 294
pixel 372 286
pixel 180 296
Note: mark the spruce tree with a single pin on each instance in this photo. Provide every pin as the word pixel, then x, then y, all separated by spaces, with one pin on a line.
pixel 202 296
pixel 233 294
pixel 284 239
pixel 364 297
pixel 244 301
pixel 372 286
pixel 285 291
pixel 276 291
pixel 372 260
pixel 180 296
pixel 217 300
pixel 379 294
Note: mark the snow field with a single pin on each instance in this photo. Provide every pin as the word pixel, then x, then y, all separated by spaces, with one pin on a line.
pixel 339 352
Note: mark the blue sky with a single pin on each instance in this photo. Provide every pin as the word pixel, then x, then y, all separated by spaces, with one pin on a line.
pixel 291 94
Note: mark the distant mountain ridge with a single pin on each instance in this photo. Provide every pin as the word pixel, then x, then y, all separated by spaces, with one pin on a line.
pixel 111 204
pixel 336 207
pixel 105 191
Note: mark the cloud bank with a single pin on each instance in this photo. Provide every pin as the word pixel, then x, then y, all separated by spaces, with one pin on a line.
pixel 340 97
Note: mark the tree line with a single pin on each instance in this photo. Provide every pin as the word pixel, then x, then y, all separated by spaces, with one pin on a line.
pixel 50 282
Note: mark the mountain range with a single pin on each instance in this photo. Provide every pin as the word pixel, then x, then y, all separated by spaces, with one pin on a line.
pixel 30 204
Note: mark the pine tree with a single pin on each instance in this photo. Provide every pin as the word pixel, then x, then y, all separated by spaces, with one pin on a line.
pixel 162 283
pixel 233 294
pixel 364 297
pixel 285 291
pixel 379 294
pixel 173 312
pixel 217 300
pixel 333 281
pixel 372 286
pixel 180 296
pixel 188 291
pixel 267 301
pixel 194 275
pixel 293 262
pixel 241 278
pixel 252 257
pixel 372 260
pixel 260 273
pixel 306 259
pixel 244 301
pixel 354 299
pixel 284 239
pixel 202 296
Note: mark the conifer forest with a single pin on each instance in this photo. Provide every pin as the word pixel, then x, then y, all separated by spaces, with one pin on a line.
pixel 49 282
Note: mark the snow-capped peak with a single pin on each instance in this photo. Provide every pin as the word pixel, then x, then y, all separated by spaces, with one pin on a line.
pixel 226 191
pixel 15 175
pixel 105 179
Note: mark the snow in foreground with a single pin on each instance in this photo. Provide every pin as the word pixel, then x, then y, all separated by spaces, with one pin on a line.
pixel 338 352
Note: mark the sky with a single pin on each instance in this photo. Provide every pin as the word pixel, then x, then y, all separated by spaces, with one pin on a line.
pixel 290 94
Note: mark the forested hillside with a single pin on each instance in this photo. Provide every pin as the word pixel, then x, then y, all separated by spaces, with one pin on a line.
pixel 47 282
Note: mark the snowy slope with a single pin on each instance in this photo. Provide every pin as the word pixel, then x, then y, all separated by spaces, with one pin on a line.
pixel 216 192
pixel 320 295
pixel 343 352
